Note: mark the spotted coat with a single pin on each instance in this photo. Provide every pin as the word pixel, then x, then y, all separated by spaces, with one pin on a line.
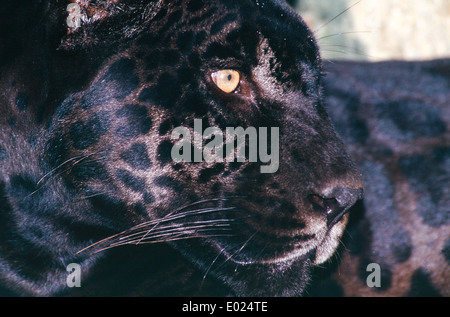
pixel 87 174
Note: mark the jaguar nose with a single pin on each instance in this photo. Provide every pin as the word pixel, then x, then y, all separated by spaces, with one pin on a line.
pixel 335 204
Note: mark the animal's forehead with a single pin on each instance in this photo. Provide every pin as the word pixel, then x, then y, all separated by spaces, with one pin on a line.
pixel 231 29
pixel 274 20
pixel 275 27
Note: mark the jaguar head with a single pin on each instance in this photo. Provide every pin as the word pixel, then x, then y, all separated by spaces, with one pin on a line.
pixel 257 224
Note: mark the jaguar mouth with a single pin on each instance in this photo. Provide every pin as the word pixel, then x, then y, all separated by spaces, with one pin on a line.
pixel 330 242
pixel 230 235
pixel 261 248
pixel 317 252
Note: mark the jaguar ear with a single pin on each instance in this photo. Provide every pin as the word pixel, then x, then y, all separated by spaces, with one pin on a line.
pixel 91 23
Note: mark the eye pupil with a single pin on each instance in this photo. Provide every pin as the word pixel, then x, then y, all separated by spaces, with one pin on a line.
pixel 229 77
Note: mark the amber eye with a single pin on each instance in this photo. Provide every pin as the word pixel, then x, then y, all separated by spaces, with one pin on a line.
pixel 226 80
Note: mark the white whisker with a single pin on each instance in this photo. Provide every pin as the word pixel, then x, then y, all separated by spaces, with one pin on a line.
pixel 340 34
pixel 171 227
pixel 337 16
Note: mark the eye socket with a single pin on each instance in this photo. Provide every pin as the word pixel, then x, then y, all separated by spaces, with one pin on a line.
pixel 226 80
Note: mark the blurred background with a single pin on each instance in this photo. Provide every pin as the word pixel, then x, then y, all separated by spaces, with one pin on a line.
pixel 377 30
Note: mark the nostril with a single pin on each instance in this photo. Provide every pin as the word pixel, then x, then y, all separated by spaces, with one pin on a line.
pixel 319 203
pixel 336 204
pixel 328 207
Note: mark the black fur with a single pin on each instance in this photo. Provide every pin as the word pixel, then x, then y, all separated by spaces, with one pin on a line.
pixel 85 150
